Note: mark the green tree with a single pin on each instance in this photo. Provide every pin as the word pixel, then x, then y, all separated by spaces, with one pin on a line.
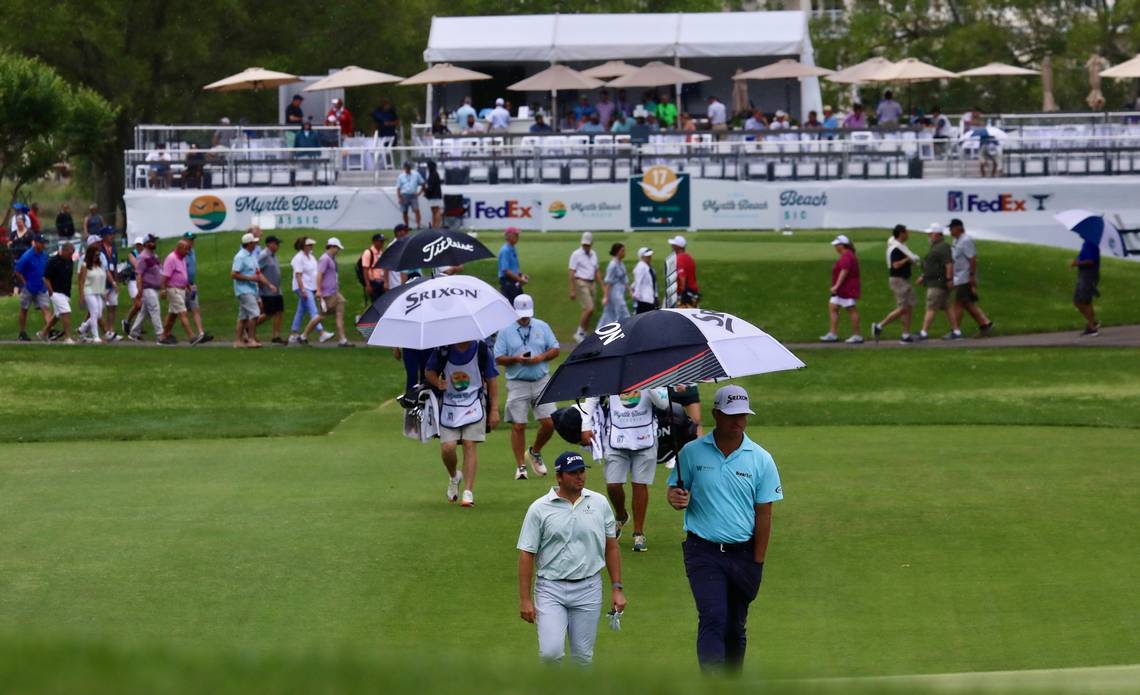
pixel 43 120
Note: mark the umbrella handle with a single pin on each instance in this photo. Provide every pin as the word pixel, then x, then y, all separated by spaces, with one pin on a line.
pixel 673 436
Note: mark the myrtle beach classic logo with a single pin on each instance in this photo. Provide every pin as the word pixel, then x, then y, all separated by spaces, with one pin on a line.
pixel 207 212
pixel 630 399
pixel 460 380
pixel 660 183
pixel 557 209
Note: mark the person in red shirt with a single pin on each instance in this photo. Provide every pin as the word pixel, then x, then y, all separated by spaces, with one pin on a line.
pixel 341 116
pixel 687 293
pixel 844 291
pixel 34 216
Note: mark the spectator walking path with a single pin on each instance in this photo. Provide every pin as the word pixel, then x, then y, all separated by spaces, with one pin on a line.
pixel 1114 336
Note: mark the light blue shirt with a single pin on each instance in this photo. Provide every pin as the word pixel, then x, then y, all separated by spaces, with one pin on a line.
pixel 723 491
pixel 463 112
pixel 245 263
pixel 500 118
pixel 535 338
pixel 508 260
pixel 409 183
pixel 568 540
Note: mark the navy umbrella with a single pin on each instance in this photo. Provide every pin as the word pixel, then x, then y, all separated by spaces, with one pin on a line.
pixel 433 248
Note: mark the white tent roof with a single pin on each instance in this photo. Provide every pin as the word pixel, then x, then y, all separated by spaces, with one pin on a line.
pixel 598 37
pixel 608 36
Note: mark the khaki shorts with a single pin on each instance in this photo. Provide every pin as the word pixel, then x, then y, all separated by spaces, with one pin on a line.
pixel 623 464
pixel 585 290
pixel 521 397
pixel 176 300
pixel 330 304
pixel 937 298
pixel 247 307
pixel 475 432
pixel 904 292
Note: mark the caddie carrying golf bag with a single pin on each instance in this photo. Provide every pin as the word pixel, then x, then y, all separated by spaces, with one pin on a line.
pixel 568 425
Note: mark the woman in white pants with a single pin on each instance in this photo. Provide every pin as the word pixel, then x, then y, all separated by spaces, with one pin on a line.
pixel 93 282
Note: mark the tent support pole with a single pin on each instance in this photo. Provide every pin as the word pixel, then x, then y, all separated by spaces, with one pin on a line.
pixel 427 105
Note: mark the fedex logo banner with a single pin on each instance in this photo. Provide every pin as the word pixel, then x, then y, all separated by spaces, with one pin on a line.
pixel 958 201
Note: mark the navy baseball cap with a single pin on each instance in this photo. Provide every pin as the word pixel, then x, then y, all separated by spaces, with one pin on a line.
pixel 272 239
pixel 106 231
pixel 400 227
pixel 39 238
pixel 569 462
pixel 378 237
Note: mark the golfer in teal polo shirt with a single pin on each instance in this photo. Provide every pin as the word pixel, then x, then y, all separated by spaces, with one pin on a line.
pixel 728 485
pixel 569 534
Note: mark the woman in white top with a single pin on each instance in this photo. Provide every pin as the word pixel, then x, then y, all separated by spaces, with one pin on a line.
pixel 93 283
pixel 305 287
pixel 616 281
pixel 644 282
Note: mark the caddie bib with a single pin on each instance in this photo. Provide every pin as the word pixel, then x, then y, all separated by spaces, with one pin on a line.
pixel 631 421
pixel 462 402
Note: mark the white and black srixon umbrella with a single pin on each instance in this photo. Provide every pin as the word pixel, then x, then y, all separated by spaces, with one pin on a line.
pixel 433 248
pixel 430 312
pixel 667 347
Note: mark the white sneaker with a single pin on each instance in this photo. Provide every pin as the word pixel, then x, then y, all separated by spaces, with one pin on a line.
pixel 854 340
pixel 829 338
pixel 96 340
pixel 520 473
pixel 326 336
pixel 579 335
pixel 536 463
pixel 294 339
pixel 468 499
pixel 453 487
pixel 68 341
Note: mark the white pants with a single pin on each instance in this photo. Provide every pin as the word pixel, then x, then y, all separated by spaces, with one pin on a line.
pixel 94 303
pixel 150 307
pixel 132 290
pixel 567 609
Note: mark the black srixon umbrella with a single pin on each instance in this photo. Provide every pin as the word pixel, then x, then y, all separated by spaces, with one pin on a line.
pixel 666 347
pixel 433 248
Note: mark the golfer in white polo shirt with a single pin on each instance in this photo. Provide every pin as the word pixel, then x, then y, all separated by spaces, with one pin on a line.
pixel 568 535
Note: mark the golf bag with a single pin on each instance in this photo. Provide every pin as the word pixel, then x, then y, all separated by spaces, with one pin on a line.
pixel 421 419
pixel 568 425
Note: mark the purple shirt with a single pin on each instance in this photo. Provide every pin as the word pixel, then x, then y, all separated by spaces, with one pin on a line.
pixel 326 270
pixel 149 269
pixel 174 270
pixel 605 111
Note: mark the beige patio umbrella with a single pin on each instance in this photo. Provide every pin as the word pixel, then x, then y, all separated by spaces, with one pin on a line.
pixel 859 72
pixel 551 80
pixel 658 74
pixel 1129 69
pixel 252 78
pixel 610 69
pixel 998 70
pixel 352 76
pixel 787 69
pixel 443 73
pixel 910 70
pixel 1048 103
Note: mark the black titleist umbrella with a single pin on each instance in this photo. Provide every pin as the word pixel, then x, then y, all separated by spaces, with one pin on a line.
pixel 433 248
pixel 666 347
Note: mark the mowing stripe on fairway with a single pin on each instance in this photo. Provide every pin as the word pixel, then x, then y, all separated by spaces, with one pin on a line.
pixel 1084 679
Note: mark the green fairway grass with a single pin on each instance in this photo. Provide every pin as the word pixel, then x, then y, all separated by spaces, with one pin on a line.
pixel 898 550
pixel 778 282
pixel 152 393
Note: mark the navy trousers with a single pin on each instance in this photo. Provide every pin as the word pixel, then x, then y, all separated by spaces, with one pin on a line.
pixel 723 582
pixel 415 361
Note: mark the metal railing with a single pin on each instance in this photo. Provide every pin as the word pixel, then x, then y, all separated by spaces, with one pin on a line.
pixel 609 158
pixel 206 136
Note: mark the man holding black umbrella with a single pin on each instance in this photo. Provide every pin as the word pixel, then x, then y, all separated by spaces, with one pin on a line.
pixel 728 486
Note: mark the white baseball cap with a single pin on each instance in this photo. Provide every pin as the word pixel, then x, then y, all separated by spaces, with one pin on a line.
pixel 841 239
pixel 333 241
pixel 678 241
pixel 310 242
pixel 780 113
pixel 732 400
pixel 644 251
pixel 587 238
pixel 499 101
pixel 139 241
pixel 248 238
pixel 935 228
pixel 524 306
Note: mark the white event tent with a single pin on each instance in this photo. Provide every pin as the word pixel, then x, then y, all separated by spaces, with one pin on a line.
pixel 557 38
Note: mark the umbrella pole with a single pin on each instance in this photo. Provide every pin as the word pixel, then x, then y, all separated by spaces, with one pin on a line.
pixel 554 126
pixel 673 436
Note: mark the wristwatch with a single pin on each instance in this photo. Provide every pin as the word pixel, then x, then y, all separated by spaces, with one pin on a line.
pixel 617 585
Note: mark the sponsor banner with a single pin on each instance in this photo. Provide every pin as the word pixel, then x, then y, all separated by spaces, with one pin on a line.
pixel 171 213
pixel 659 199
pixel 1007 209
